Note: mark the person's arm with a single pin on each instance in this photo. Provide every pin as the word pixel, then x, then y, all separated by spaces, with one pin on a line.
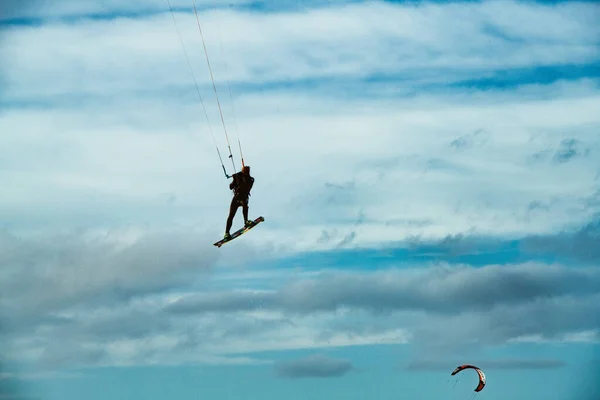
pixel 234 182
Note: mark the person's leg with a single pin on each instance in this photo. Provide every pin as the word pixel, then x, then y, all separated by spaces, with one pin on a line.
pixel 232 210
pixel 245 211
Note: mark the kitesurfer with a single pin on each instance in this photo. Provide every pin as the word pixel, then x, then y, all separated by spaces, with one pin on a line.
pixel 241 185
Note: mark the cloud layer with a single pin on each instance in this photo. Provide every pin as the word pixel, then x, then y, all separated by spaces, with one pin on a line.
pixel 117 137
pixel 367 40
pixel 583 244
pixel 137 322
pixel 366 125
pixel 50 273
pixel 436 290
pixel 426 365
pixel 315 366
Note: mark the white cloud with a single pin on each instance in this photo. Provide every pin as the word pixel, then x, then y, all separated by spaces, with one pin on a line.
pixel 434 43
pixel 124 158
pixel 92 168
pixel 70 8
pixel 584 336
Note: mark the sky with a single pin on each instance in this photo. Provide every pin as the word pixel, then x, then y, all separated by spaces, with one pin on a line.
pixel 429 175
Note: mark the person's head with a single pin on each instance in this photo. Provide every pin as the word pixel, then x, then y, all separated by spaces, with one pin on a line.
pixel 246 169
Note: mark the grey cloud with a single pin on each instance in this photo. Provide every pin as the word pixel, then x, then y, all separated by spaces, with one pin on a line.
pixel 66 352
pixel 408 222
pixel 460 143
pixel 223 302
pixel 583 244
pixel 477 138
pixel 442 308
pixel 437 164
pixel 427 306
pixel 454 244
pixel 325 237
pixel 230 327
pixel 340 193
pixel 335 235
pixel 541 155
pixel 543 319
pixel 45 273
pixel 538 205
pixel 445 365
pixel 328 236
pixel 347 239
pixel 315 366
pixel 361 217
pixel 340 186
pixel 148 337
pixel 438 290
pixel 568 150
pixel 124 322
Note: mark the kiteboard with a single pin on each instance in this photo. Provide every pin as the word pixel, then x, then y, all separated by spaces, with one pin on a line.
pixel 240 232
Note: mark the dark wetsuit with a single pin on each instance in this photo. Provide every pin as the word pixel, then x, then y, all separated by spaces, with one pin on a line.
pixel 241 185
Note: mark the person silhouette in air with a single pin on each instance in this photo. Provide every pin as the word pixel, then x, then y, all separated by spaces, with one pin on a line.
pixel 241 185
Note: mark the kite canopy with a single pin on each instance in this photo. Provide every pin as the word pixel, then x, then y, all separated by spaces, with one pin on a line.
pixel 479 372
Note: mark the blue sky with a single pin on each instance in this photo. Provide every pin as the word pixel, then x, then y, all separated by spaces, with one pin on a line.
pixel 428 173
